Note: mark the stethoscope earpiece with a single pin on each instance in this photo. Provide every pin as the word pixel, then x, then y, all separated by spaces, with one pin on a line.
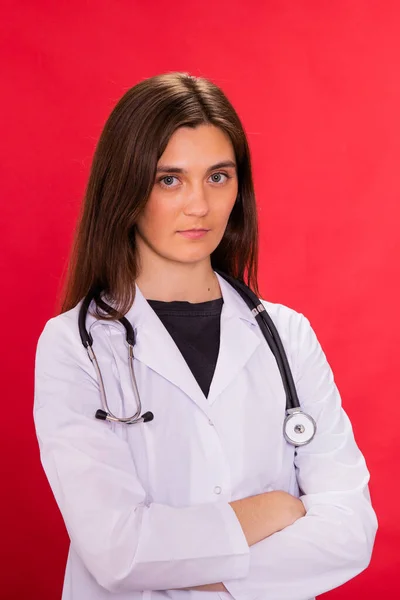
pixel 104 416
pixel 101 414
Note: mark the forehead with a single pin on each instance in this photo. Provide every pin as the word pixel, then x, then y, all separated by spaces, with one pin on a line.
pixel 204 144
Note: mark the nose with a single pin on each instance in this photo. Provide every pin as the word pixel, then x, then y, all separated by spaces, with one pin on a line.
pixel 196 202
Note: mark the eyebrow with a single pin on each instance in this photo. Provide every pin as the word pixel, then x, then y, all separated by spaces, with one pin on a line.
pixel 172 169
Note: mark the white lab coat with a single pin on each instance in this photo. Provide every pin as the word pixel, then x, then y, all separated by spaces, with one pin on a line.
pixel 146 506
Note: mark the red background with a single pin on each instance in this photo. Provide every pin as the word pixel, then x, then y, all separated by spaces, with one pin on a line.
pixel 317 85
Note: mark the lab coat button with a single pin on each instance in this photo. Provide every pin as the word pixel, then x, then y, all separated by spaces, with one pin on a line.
pixel 217 489
pixel 210 422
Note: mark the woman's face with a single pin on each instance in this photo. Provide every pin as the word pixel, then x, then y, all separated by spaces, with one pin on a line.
pixel 193 195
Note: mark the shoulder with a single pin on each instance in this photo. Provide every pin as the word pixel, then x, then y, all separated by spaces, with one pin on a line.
pixel 295 331
pixel 287 320
pixel 66 323
pixel 62 365
pixel 59 335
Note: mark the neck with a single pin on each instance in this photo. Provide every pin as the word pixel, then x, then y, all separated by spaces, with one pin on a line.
pixel 168 281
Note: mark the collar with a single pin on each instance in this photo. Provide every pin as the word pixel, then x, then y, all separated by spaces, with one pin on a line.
pixel 234 306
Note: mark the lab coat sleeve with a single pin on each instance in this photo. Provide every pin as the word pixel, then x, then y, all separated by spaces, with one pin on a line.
pixel 126 543
pixel 333 542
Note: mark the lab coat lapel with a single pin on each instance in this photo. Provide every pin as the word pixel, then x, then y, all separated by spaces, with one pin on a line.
pixel 238 340
pixel 156 348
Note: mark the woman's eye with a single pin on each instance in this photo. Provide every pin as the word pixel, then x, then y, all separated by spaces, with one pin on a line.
pixel 167 181
pixel 216 177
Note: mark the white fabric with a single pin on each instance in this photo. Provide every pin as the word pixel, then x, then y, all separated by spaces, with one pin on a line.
pixel 147 507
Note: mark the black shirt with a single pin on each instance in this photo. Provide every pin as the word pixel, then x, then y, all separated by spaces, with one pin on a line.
pixel 195 329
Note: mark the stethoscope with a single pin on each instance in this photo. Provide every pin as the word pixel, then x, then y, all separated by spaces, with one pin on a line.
pixel 299 428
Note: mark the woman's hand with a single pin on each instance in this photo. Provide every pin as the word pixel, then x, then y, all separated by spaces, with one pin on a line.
pixel 209 587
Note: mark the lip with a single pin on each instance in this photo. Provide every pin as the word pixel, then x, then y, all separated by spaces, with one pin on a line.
pixel 194 234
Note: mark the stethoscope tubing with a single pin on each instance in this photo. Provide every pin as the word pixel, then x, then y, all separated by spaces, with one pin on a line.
pixel 271 334
pixel 87 340
pixel 296 422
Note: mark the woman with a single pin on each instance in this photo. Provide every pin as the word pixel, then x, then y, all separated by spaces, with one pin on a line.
pixel 208 496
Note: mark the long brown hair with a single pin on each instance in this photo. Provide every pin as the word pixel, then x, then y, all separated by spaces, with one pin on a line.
pixel 123 171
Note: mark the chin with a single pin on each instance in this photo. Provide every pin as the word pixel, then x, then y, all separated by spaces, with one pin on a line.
pixel 186 257
pixel 188 253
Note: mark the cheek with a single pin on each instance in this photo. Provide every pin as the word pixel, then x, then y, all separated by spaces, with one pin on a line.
pixel 221 211
pixel 156 216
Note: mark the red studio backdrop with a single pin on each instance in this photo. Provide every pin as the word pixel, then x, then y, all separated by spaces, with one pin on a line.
pixel 317 86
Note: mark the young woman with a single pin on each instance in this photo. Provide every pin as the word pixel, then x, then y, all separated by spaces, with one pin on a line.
pixel 205 494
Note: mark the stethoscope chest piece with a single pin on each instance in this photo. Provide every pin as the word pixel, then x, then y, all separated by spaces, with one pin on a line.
pixel 298 427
